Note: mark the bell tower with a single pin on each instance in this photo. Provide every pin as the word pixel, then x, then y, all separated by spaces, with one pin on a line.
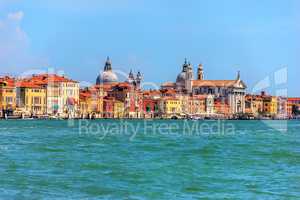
pixel 200 75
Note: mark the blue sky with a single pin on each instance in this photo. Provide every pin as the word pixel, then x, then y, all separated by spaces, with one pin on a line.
pixel 257 37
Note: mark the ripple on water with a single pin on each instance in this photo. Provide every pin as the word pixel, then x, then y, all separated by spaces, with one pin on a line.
pixel 51 160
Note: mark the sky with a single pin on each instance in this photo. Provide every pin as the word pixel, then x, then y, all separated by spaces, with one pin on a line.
pixel 261 38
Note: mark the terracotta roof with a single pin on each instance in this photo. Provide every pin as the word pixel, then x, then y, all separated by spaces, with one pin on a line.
pixel 168 91
pixel 255 97
pixel 9 81
pixel 105 86
pixel 122 87
pixel 294 99
pixel 43 79
pixel 124 84
pixel 151 91
pixel 214 83
pixel 27 84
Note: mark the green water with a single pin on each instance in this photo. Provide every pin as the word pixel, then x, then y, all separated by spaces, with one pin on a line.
pixel 149 160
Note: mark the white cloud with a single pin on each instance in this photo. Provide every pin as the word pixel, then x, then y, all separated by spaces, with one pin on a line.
pixel 15 55
pixel 12 37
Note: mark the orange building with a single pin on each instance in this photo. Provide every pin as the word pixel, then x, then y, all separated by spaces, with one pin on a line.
pixel 222 107
pixel 7 95
pixel 293 106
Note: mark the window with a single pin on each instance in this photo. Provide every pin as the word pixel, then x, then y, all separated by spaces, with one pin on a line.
pixel 9 100
pixel 36 100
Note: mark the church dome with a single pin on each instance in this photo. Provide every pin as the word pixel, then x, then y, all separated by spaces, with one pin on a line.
pixel 181 77
pixel 107 76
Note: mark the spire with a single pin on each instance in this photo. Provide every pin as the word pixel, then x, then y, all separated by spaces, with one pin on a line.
pixel 185 65
pixel 139 75
pixel 238 75
pixel 107 66
pixel 130 78
pixel 131 74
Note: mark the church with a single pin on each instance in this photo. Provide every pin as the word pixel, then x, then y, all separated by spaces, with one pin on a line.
pixel 231 92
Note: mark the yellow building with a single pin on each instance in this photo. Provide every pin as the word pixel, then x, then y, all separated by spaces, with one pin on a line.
pixel 90 103
pixel 31 98
pixel 171 107
pixel 119 108
pixel 7 95
pixel 270 105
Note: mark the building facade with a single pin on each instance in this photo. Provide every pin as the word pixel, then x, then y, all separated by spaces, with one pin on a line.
pixel 62 94
pixel 231 91
pixel 31 98
pixel 171 107
pixel 7 96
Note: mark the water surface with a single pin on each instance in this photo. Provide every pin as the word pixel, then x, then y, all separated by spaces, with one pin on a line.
pixel 149 160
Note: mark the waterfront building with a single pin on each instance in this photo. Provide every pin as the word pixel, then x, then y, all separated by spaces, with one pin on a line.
pixel 293 106
pixel 151 103
pixel 98 92
pixel 232 91
pixel 210 102
pixel 270 105
pixel 119 108
pixel 132 98
pixel 150 107
pixel 254 105
pixel 7 96
pixel 88 104
pixel 221 107
pixel 91 100
pixel 62 94
pixel 282 107
pixel 108 107
pixel 171 107
pixel 31 98
pixel 196 105
pixel 185 100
